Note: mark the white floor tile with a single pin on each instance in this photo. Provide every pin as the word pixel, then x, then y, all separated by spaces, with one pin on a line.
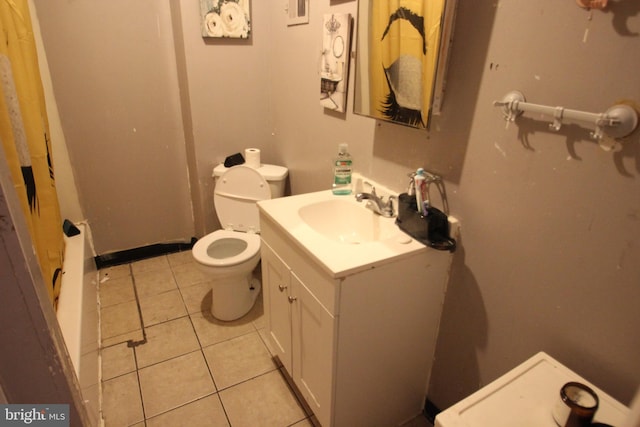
pixel 121 403
pixel 175 382
pixel 237 360
pixel 166 341
pixel 162 307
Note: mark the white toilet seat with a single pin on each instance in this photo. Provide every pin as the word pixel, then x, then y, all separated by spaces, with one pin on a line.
pixel 235 197
pixel 224 248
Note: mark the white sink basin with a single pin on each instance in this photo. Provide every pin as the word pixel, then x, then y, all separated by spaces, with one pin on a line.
pixel 347 222
pixel 340 233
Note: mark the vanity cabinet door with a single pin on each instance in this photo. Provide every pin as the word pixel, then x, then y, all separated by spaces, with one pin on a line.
pixel 276 278
pixel 313 329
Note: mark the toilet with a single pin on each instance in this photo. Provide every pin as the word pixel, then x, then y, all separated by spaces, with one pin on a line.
pixel 229 256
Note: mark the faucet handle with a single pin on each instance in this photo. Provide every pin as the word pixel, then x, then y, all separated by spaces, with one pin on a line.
pixel 373 188
pixel 389 206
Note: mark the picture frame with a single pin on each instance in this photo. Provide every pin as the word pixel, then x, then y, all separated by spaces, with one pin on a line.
pixel 225 18
pixel 335 59
pixel 298 11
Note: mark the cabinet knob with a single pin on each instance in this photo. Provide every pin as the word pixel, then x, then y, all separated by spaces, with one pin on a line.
pixel 282 287
pixel 292 299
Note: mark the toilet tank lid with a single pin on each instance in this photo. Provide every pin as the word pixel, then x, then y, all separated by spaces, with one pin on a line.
pixel 269 172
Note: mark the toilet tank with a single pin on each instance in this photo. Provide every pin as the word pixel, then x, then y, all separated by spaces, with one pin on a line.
pixel 274 175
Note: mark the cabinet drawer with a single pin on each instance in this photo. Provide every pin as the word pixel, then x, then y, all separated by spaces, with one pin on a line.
pixel 302 264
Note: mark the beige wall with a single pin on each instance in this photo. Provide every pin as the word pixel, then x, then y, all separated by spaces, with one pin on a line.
pixel 114 74
pixel 548 258
pixel 228 86
pixel 70 207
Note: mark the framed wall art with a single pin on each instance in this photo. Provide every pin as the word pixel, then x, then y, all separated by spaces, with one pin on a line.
pixel 334 64
pixel 298 12
pixel 225 18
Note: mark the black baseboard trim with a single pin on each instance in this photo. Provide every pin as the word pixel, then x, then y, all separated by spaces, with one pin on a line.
pixel 137 254
pixel 430 411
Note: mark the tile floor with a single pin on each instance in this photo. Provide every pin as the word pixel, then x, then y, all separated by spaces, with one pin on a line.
pixel 191 370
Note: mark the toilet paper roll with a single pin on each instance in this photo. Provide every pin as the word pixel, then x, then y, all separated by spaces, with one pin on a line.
pixel 252 157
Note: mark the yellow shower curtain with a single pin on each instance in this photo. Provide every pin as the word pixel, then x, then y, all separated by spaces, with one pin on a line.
pixel 404 43
pixel 24 131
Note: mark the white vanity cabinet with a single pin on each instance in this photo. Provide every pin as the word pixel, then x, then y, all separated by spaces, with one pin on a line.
pixel 302 332
pixel 358 346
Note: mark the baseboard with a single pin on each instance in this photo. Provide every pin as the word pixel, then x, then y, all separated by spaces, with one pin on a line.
pixel 137 254
pixel 430 411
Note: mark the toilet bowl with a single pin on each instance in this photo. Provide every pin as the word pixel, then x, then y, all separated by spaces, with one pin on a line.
pixel 229 256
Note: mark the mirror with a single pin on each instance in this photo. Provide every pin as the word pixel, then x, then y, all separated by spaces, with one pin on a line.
pixel 401 56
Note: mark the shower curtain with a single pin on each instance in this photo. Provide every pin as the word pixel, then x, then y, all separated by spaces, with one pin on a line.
pixel 24 134
pixel 404 43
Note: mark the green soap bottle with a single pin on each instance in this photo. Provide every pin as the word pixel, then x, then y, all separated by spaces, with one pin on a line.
pixel 342 170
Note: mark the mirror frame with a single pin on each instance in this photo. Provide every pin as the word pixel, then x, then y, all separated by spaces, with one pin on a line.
pixel 362 101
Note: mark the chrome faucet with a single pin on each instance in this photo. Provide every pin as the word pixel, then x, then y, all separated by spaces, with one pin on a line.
pixel 376 203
